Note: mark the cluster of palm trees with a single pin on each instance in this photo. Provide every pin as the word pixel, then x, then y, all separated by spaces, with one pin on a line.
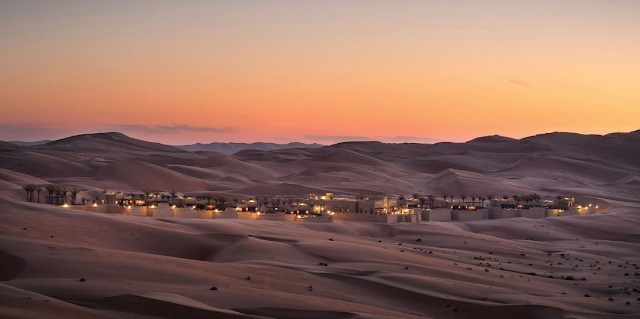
pixel 56 194
pixel 218 199
pixel 147 193
pixel 479 200
pixel 277 201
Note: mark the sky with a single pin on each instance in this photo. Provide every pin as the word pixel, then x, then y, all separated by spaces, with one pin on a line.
pixel 180 72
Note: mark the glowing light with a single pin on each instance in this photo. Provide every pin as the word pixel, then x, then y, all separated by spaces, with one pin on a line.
pixel 95 205
pixel 129 207
pixel 65 205
pixel 174 206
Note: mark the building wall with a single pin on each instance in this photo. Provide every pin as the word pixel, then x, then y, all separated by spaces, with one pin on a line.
pixel 357 217
pixel 315 219
pixel 437 215
pixel 533 213
pixel 366 206
pixel 466 215
pixel 341 206
pixel 407 219
pixel 499 213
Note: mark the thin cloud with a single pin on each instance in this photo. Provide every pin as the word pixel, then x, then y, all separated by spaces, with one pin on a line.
pixel 520 83
pixel 10 132
pixel 166 129
pixel 338 138
pixel 386 139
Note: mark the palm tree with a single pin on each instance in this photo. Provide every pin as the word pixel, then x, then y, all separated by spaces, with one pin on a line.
pixel 29 189
pixel 57 193
pixel 431 200
pixel 173 194
pixel 482 199
pixel 63 193
pixel 401 198
pixel 50 188
pixel 490 197
pixel 104 191
pixel 463 196
pixel 536 197
pixel 155 196
pixel 221 199
pixel 416 196
pixel 208 197
pixel 516 198
pixel 38 189
pixel 146 192
pixel 444 197
pixel 84 200
pixel 474 197
pixel 74 194
pixel 422 201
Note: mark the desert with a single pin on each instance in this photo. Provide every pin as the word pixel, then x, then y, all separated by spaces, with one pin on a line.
pixel 59 262
pixel 297 159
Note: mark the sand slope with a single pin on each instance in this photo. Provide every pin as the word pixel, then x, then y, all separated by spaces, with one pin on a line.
pixel 134 267
pixel 165 268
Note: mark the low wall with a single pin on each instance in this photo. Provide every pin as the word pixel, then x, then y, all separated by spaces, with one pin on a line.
pixel 498 213
pixel 407 219
pixel 272 217
pixel 358 217
pixel 437 215
pixel 277 217
pixel 466 215
pixel 484 212
pixel 247 215
pixel 316 219
pixel 106 209
pixel 229 213
pixel 533 213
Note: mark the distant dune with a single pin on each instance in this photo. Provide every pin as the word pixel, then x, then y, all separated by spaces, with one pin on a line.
pixel 232 148
pixel 548 163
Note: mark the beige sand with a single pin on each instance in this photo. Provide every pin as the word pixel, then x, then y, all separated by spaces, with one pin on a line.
pixel 135 267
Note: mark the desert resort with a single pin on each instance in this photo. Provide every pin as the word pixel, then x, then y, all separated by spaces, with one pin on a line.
pixel 314 208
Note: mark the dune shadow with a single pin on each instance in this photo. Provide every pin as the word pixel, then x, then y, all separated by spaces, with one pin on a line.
pixel 10 266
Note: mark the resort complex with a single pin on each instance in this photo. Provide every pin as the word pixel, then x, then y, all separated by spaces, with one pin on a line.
pixel 315 208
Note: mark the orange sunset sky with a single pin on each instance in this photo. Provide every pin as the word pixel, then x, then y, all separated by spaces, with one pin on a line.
pixel 181 72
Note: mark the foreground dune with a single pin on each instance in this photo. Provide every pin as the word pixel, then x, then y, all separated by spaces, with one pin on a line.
pixel 59 263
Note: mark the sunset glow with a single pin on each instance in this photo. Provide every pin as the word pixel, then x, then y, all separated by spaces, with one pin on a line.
pixel 325 71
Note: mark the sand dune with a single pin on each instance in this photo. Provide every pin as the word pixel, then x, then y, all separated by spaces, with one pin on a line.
pixel 138 175
pixel 139 266
pixel 63 263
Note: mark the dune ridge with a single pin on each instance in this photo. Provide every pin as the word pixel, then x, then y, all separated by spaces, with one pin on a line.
pixel 64 263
